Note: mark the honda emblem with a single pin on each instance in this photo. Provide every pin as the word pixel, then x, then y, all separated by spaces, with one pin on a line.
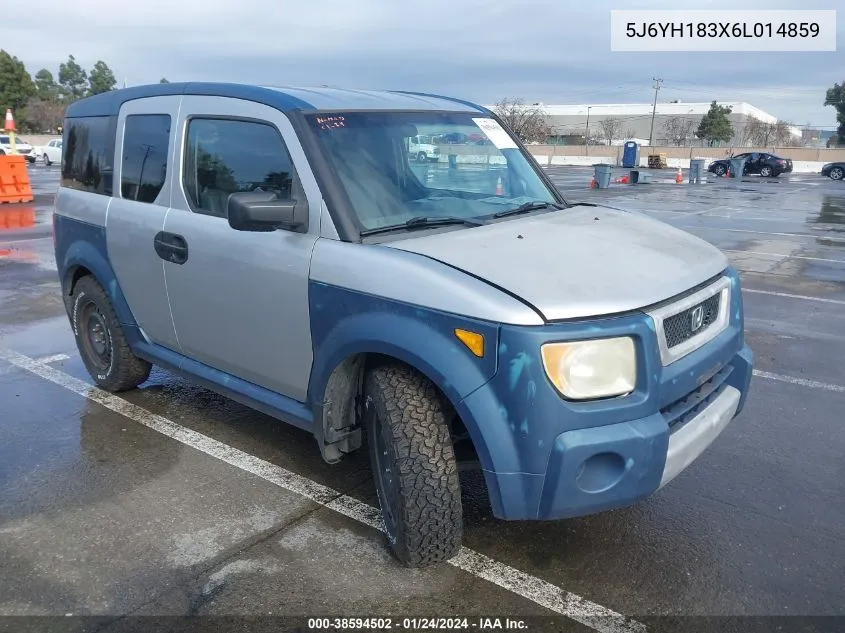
pixel 697 318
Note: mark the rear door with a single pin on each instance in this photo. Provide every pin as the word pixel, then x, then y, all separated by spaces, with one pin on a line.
pixel 146 131
pixel 240 299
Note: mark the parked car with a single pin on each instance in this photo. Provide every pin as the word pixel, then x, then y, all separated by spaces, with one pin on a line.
pixel 766 165
pixel 21 145
pixel 440 325
pixel 834 171
pixel 52 152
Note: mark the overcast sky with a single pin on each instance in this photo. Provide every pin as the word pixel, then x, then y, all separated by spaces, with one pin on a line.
pixel 552 51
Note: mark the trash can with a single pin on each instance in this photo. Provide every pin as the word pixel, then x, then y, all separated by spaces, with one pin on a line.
pixel 635 176
pixel 630 154
pixel 737 165
pixel 696 170
pixel 453 161
pixel 603 175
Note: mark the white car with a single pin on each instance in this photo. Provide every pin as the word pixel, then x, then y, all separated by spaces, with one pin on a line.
pixel 52 152
pixel 21 145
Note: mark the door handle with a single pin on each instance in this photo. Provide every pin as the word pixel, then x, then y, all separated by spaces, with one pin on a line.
pixel 171 247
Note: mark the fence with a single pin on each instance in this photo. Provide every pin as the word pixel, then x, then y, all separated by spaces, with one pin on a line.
pixel 811 154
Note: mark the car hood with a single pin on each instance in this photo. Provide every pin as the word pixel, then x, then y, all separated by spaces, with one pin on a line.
pixel 577 262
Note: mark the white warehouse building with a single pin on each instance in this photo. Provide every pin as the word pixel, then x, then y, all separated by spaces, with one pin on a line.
pixel 633 121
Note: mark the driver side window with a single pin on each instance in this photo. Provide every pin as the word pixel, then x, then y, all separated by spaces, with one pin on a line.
pixel 226 156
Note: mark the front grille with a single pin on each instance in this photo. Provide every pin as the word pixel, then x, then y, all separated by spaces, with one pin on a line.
pixel 685 409
pixel 678 327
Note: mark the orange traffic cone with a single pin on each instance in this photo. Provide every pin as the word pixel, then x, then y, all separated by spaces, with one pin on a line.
pixel 593 183
pixel 499 187
pixel 10 121
pixel 679 177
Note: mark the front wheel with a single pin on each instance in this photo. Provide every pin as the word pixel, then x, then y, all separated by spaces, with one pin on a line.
pixel 101 341
pixel 421 157
pixel 414 466
pixel 721 170
pixel 837 173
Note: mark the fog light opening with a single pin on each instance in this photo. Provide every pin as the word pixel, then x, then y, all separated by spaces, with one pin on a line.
pixel 600 472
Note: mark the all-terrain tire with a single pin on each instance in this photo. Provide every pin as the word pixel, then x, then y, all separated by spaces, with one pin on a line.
pixel 119 369
pixel 408 434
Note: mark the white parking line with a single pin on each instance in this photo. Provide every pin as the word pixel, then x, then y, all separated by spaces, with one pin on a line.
pixel 780 255
pixel 530 587
pixel 792 296
pixel 46 360
pixel 812 384
pixel 28 239
pixel 719 228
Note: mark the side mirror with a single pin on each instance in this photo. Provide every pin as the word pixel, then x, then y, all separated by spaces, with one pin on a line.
pixel 263 211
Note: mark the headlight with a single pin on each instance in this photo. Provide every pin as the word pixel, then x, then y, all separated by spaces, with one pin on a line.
pixel 599 368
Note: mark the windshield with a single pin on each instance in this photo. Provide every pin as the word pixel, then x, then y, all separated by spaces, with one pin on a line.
pixel 471 169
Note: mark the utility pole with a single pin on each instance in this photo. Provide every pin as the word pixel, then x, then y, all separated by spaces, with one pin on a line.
pixel 587 133
pixel 657 83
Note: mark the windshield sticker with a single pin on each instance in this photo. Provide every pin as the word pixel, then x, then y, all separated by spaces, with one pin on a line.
pixel 330 122
pixel 495 133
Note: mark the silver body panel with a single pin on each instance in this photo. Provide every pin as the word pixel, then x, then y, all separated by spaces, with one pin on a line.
pixel 82 206
pixel 385 272
pixel 691 440
pixel 578 262
pixel 240 302
pixel 131 228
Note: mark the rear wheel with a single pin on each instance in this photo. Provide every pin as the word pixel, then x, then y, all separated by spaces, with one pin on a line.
pixel 837 173
pixel 101 341
pixel 765 171
pixel 414 465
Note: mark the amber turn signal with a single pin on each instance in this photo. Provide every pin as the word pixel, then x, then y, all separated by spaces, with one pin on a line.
pixel 473 341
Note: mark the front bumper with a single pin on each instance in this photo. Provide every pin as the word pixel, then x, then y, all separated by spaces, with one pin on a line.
pixel 598 469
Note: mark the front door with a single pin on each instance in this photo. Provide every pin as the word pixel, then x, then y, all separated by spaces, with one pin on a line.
pixel 240 299
pixel 145 134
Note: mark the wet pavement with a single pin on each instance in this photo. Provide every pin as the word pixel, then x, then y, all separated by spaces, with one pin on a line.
pixel 171 500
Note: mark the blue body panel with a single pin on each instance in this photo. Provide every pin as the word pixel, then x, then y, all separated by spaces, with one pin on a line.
pixel 345 323
pixel 283 99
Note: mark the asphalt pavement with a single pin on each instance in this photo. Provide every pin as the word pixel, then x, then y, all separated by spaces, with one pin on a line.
pixel 170 500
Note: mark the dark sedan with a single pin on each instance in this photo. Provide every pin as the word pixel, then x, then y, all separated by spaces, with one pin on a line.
pixel 767 165
pixel 835 171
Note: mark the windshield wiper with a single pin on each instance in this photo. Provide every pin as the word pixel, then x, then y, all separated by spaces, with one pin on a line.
pixel 525 208
pixel 422 222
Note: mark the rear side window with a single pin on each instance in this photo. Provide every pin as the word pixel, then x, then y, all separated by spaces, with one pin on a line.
pixel 88 154
pixel 146 141
pixel 225 156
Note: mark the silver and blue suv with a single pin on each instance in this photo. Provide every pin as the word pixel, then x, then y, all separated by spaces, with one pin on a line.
pixel 282 247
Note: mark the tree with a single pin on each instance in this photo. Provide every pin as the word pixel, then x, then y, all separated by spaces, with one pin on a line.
pixel 16 86
pixel 630 133
pixel 73 79
pixel 101 79
pixel 46 88
pixel 45 116
pixel 678 129
pixel 529 123
pixel 163 81
pixel 836 97
pixel 715 125
pixel 781 133
pixel 757 132
pixel 610 128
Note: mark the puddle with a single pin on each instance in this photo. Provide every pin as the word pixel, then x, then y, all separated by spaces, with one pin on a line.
pixel 832 210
